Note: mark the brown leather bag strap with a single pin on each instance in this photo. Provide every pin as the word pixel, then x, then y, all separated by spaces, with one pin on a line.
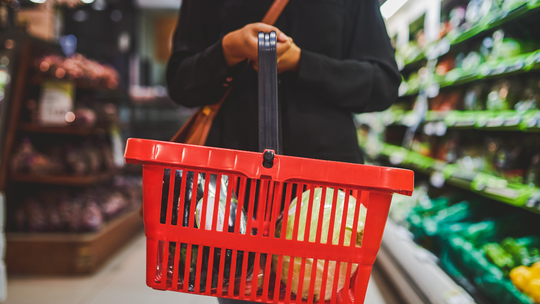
pixel 274 12
pixel 206 114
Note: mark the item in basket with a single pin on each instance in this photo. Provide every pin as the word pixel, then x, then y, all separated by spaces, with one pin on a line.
pixel 349 237
pixel 231 226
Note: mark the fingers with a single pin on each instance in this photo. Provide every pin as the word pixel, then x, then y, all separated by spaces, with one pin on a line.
pixel 263 27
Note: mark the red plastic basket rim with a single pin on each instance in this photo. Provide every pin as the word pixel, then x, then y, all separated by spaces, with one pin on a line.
pixel 285 169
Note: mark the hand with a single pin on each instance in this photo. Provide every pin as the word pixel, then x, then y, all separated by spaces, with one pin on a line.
pixel 243 44
pixel 290 60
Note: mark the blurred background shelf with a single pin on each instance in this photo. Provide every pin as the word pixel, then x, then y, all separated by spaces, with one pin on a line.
pixel 74 253
pixel 68 130
pixel 65 180
pixel 414 272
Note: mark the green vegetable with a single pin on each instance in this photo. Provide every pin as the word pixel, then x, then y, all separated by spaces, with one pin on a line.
pixel 325 225
pixel 499 257
pixel 518 252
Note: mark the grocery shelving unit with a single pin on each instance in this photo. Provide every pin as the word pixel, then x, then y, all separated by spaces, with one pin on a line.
pixel 414 271
pixel 62 252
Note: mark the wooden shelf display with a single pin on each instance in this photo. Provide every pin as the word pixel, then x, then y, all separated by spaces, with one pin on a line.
pixel 67 130
pixel 69 254
pixel 59 253
pixel 66 180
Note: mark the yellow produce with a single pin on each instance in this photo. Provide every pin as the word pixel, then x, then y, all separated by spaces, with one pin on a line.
pixel 535 270
pixel 521 276
pixel 533 290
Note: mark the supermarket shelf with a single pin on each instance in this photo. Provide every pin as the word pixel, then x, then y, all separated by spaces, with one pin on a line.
pixel 79 84
pixel 519 13
pixel 524 63
pixel 414 272
pixel 68 130
pixel 496 188
pixel 64 180
pixel 75 253
pixel 524 11
pixel 479 120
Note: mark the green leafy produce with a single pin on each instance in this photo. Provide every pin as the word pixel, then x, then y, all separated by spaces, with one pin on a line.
pixel 312 233
pixel 499 257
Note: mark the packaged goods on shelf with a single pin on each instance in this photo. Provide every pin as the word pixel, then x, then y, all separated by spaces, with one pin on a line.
pixel 88 157
pixel 77 211
pixel 79 68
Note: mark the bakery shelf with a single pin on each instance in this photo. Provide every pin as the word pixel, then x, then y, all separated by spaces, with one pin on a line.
pixel 414 271
pixel 68 130
pixel 30 253
pixel 65 180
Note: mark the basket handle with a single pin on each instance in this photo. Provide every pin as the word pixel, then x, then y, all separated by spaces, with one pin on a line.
pixel 268 93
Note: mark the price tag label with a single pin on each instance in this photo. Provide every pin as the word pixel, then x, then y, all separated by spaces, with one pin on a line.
pixel 56 101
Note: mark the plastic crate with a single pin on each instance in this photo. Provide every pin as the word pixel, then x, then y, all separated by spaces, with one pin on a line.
pixel 263 253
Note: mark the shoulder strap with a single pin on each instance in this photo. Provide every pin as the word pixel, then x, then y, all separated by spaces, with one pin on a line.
pixel 271 17
pixel 209 112
pixel 274 11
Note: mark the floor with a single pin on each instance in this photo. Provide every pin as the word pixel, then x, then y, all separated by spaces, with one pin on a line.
pixel 120 281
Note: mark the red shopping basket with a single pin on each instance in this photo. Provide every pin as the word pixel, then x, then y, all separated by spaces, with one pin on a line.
pixel 258 226
pixel 258 276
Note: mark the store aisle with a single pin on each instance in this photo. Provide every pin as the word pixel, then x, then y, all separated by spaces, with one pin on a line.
pixel 120 281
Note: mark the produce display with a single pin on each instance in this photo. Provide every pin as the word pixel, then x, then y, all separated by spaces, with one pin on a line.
pixel 88 157
pixel 527 279
pixel 78 68
pixel 479 246
pixel 460 22
pixel 77 211
pixel 213 274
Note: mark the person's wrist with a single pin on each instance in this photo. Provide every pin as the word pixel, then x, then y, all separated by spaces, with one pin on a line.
pixel 229 50
pixel 297 53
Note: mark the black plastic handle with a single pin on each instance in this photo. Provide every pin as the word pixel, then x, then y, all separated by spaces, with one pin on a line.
pixel 268 93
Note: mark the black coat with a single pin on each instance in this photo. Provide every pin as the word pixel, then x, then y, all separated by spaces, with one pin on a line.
pixel 347 66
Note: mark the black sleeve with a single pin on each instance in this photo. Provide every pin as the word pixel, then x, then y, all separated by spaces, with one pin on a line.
pixel 197 73
pixel 368 79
